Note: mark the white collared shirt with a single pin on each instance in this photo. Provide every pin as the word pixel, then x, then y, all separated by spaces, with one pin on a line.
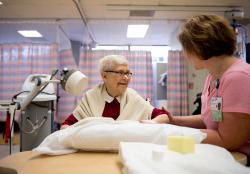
pixel 109 98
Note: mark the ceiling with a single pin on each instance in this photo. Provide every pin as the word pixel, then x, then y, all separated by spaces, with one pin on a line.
pixel 105 21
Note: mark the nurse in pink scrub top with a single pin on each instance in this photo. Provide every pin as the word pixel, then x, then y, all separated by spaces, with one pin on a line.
pixel 209 43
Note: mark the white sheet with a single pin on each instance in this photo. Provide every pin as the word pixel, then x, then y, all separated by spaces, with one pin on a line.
pixel 105 134
pixel 138 158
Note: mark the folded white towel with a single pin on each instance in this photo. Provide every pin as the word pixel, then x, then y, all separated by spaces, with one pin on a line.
pixel 105 134
pixel 145 158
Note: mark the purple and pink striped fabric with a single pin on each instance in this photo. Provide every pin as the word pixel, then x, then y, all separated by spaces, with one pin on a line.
pixel 20 60
pixel 66 102
pixel 177 81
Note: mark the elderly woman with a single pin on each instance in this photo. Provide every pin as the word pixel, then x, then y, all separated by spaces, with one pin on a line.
pixel 113 98
pixel 209 42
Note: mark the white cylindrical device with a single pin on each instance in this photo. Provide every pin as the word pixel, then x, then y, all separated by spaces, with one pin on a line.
pixel 74 82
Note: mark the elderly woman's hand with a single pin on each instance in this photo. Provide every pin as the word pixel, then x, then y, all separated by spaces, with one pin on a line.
pixel 64 126
pixel 163 118
pixel 148 121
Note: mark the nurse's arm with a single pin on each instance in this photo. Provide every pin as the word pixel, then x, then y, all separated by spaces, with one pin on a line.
pixel 193 121
pixel 232 132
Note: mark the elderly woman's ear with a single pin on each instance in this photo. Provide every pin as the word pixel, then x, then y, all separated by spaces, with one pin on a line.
pixel 104 75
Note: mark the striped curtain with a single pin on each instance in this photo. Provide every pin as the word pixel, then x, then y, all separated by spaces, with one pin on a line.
pixel 140 64
pixel 20 60
pixel 177 81
pixel 66 101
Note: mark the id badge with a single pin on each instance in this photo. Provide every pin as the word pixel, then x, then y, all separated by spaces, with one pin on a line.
pixel 216 109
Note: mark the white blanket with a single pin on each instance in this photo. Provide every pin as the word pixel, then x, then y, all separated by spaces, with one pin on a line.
pixel 145 158
pixel 105 134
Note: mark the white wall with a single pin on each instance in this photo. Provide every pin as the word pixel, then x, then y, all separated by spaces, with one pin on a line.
pixel 196 82
pixel 174 42
pixel 248 33
pixel 62 40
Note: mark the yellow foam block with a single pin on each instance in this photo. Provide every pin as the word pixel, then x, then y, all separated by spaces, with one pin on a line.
pixel 182 144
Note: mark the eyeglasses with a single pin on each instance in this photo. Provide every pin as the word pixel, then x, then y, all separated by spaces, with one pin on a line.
pixel 121 73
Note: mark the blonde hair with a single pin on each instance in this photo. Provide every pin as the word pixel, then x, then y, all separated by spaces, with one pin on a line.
pixel 110 62
pixel 208 35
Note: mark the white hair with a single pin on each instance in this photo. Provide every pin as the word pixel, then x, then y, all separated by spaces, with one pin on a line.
pixel 110 62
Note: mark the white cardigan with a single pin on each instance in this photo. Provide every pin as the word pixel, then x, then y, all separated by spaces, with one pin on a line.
pixel 132 105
